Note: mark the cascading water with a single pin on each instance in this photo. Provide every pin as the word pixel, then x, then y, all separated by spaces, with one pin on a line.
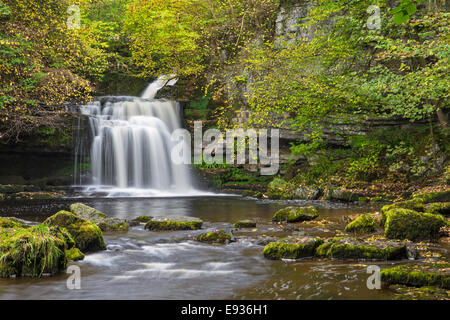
pixel 131 146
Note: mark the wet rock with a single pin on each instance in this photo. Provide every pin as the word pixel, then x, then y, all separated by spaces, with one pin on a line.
pixel 105 223
pixel 363 224
pixel 245 224
pixel 306 193
pixel 354 248
pixel 215 237
pixel 333 194
pixel 418 275
pixel 173 223
pixel 295 214
pixel 87 235
pixel 412 225
pixel 33 251
pixel 304 247
pixel 142 219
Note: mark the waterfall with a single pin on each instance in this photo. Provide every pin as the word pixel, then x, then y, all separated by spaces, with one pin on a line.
pixel 131 144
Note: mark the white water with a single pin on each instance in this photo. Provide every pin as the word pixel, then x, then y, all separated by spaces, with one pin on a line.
pixel 164 80
pixel 130 152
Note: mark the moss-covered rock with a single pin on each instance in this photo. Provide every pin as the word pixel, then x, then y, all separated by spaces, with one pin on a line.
pixel 333 194
pixel 362 224
pixel 11 223
pixel 292 250
pixel 414 204
pixel 412 225
pixel 215 237
pixel 279 189
pixel 87 235
pixel 31 252
pixel 74 254
pixel 105 223
pixel 295 214
pixel 418 275
pixel 143 219
pixel 430 197
pixel 353 248
pixel 173 224
pixel 421 293
pixel 438 208
pixel 245 224
pixel 11 188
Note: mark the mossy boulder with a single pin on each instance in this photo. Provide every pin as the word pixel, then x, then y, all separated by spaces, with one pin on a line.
pixel 74 254
pixel 412 225
pixel 34 251
pixel 87 235
pixel 11 223
pixel 279 189
pixel 353 248
pixel 363 224
pixel 430 197
pixel 420 293
pixel 295 214
pixel 333 194
pixel 438 208
pixel 418 275
pixel 105 223
pixel 245 224
pixel 143 219
pixel 292 250
pixel 414 204
pixel 173 224
pixel 215 237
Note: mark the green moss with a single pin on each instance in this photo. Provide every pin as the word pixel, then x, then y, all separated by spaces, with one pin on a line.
pixel 279 195
pixel 87 235
pixel 296 214
pixel 421 293
pixel 220 237
pixel 143 219
pixel 105 223
pixel 282 250
pixel 438 208
pixel 173 224
pixel 440 196
pixel 348 248
pixel 362 224
pixel 245 224
pixel 11 223
pixel 333 194
pixel 74 254
pixel 409 224
pixel 416 276
pixel 32 251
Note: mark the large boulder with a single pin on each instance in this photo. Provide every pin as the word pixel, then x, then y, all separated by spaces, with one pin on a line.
pixel 430 197
pixel 33 251
pixel 412 225
pixel 353 248
pixel 301 248
pixel 87 235
pixel 165 223
pixel 105 223
pixel 295 214
pixel 363 224
pixel 438 208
